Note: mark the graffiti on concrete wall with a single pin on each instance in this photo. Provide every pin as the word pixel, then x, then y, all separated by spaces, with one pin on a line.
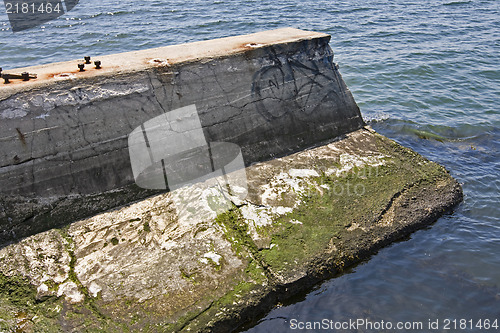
pixel 296 86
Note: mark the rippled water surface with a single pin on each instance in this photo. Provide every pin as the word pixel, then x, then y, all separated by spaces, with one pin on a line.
pixel 425 73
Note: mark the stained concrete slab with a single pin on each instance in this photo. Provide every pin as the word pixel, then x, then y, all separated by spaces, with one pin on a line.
pixel 150 267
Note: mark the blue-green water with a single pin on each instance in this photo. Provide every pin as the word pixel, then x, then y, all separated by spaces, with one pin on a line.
pixel 425 73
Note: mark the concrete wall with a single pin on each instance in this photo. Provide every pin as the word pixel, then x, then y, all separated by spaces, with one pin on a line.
pixel 63 136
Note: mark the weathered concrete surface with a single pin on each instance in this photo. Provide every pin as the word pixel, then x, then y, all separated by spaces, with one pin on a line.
pixel 153 268
pixel 63 136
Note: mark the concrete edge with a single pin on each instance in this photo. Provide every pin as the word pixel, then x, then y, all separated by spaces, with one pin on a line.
pixel 166 56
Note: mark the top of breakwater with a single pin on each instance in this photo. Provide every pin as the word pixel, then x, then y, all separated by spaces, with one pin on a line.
pixel 135 61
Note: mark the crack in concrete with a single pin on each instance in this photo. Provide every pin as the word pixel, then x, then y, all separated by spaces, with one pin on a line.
pixel 150 75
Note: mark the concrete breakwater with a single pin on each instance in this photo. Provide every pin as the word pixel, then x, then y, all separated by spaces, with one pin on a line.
pixel 322 191
pixel 63 138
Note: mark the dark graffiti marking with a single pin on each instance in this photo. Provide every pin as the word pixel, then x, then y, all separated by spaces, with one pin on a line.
pixel 292 86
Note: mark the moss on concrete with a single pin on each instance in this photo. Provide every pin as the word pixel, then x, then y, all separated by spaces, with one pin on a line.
pixel 21 311
pixel 360 197
pixel 236 231
pixel 17 290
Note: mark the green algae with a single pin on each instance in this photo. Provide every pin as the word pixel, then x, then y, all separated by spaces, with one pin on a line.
pixel 427 135
pixel 19 307
pixel 235 231
pixel 324 217
pixel 332 208
pixel 254 283
pixel 17 290
pixel 255 279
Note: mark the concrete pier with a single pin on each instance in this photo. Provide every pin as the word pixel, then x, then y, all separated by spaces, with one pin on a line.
pixel 316 191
